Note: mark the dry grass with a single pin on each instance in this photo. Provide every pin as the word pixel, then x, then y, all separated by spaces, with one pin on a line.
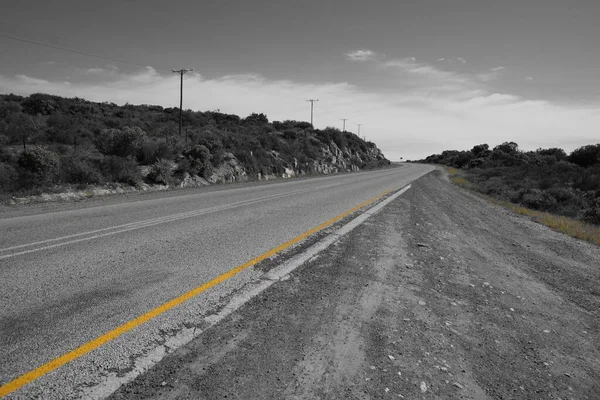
pixel 569 226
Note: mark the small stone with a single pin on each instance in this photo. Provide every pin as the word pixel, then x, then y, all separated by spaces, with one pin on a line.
pixel 422 303
pixel 568 374
pixel 391 357
pixel 546 331
pixel 453 304
pixel 458 385
pixel 163 383
pixel 470 284
pixel 422 245
pixel 423 387
pixel 373 367
pixel 442 258
pixel 512 309
pixel 406 319
pixel 399 373
pixel 387 390
pixel 486 284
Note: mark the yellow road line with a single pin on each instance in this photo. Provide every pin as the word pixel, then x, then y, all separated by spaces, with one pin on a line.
pixel 113 334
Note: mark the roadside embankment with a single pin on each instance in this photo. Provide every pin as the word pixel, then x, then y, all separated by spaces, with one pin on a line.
pixel 441 295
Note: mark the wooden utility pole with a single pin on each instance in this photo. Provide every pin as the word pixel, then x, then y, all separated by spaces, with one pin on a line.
pixel 181 72
pixel 344 128
pixel 359 125
pixel 312 103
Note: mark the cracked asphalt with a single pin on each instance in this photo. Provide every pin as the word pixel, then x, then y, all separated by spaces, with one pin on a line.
pixel 439 296
pixel 73 272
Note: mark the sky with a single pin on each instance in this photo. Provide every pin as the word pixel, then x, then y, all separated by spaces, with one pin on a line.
pixel 420 76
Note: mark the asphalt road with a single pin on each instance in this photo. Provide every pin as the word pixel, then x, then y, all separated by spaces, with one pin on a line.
pixel 71 275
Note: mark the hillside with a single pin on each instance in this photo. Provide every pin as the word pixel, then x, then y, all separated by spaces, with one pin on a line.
pixel 48 140
pixel 545 179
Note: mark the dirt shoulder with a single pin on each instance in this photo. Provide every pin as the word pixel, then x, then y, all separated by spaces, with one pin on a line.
pixel 441 295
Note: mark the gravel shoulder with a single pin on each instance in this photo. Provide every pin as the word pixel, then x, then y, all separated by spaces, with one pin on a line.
pixel 441 295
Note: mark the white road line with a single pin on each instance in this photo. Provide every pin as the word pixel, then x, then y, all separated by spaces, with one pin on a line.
pixel 112 381
pixel 90 235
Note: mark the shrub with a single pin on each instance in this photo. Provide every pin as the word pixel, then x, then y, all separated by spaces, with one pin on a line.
pixel 586 156
pixel 79 170
pixel 123 170
pixel 8 177
pixel 199 158
pixel 123 142
pixel 592 214
pixel 152 151
pixel 538 200
pixel 39 162
pixel 160 173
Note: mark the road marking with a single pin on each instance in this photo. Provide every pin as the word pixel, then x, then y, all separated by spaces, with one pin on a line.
pixel 113 334
pixel 113 230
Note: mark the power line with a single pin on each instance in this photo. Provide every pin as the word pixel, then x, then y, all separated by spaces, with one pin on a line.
pixel 70 50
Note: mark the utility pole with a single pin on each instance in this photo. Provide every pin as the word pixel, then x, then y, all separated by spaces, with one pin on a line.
pixel 359 125
pixel 181 72
pixel 344 128
pixel 312 103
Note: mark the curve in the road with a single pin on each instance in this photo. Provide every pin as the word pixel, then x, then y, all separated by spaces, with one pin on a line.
pixel 110 335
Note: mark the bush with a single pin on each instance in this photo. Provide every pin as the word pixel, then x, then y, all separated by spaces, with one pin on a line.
pixel 199 158
pixel 123 170
pixel 43 164
pixel 160 173
pixel 123 142
pixel 152 151
pixel 538 200
pixel 79 170
pixel 586 156
pixel 592 214
pixel 8 177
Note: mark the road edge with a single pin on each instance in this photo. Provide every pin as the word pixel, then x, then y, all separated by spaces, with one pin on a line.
pixel 114 381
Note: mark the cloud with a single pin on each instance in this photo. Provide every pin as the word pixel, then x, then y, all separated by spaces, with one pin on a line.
pixel 360 55
pixel 29 81
pixel 440 110
pixel 462 60
pixel 528 78
pixel 491 74
pixel 94 70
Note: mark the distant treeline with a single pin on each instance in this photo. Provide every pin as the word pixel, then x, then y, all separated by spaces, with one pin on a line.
pixel 48 140
pixel 544 179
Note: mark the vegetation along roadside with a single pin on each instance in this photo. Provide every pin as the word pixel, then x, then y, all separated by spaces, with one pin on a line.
pixel 51 144
pixel 558 190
